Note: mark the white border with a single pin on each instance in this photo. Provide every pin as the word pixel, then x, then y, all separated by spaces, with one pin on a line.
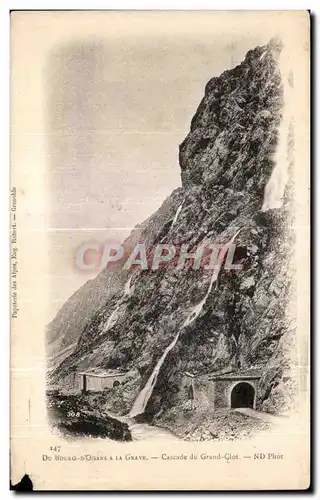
pixel 5 6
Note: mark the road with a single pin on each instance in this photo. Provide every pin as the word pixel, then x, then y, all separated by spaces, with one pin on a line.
pixel 260 415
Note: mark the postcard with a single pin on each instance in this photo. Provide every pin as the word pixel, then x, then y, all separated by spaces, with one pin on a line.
pixel 160 241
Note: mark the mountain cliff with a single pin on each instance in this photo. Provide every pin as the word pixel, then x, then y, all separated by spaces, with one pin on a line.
pixel 239 320
pixel 64 331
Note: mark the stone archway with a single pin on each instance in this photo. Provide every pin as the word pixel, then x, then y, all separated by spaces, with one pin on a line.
pixel 242 395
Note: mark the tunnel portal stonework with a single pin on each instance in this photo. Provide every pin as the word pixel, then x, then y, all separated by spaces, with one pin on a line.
pixel 234 390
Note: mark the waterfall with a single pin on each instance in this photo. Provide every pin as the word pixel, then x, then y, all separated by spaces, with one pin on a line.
pixel 176 215
pixel 198 308
pixel 275 188
pixel 144 395
pixel 127 287
pixel 112 318
pixel 218 348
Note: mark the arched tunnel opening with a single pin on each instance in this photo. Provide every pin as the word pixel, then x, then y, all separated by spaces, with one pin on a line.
pixel 242 396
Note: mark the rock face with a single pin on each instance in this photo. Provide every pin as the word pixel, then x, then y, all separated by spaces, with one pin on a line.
pixel 75 415
pixel 65 330
pixel 226 161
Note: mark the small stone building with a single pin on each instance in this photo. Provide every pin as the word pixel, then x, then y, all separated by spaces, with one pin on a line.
pixel 234 389
pixel 99 380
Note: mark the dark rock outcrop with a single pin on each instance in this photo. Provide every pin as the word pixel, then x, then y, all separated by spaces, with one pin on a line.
pixel 75 415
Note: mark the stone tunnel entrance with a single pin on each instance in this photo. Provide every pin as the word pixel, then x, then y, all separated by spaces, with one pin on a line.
pixel 242 396
pixel 234 389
